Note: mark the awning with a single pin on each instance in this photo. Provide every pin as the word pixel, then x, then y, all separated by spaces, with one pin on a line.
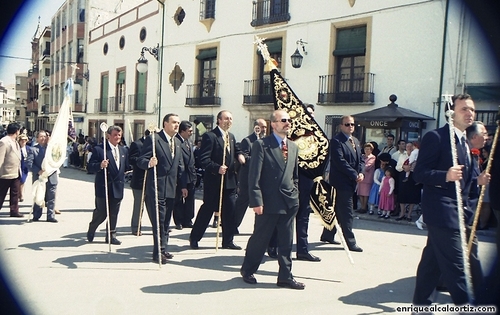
pixel 483 92
pixel 390 112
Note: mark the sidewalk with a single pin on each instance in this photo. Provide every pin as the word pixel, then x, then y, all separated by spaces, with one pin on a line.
pixel 54 270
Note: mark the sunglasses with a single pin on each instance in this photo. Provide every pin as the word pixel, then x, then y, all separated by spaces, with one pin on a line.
pixel 284 120
pixel 349 125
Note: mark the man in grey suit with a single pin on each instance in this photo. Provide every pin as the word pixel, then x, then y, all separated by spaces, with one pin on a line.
pixel 274 197
pixel 35 159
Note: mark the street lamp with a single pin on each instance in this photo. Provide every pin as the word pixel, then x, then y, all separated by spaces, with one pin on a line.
pixel 297 57
pixel 142 63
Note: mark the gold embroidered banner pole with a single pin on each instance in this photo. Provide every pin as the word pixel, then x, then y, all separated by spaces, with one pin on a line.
pixel 104 129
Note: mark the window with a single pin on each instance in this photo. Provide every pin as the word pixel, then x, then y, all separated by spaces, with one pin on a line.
pixel 142 34
pixel 80 51
pixel 269 11
pixel 207 9
pixel 120 91
pixel 139 129
pixel 63 57
pixel 208 71
pixel 140 91
pixel 122 42
pixel 274 47
pixel 206 120
pixel 103 105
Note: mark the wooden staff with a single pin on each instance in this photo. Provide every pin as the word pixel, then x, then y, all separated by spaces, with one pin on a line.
pixel 142 203
pixel 483 188
pixel 104 128
pixel 226 145
pixel 152 129
pixel 461 223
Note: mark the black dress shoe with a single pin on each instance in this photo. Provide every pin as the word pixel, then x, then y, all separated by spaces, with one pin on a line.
pixel 188 225
pixel 52 220
pixel 272 252
pixel 114 241
pixel 35 219
pixel 334 242
pixel 292 284
pixel 250 279
pixel 137 233
pixel 168 255
pixel 193 244
pixel 163 259
pixel 231 246
pixel 90 236
pixel 355 248
pixel 308 257
pixel 16 215
pixel 178 227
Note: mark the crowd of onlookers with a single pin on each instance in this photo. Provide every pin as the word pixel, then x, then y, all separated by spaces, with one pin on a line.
pixel 388 188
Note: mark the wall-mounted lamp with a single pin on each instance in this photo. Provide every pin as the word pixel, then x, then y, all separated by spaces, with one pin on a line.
pixel 142 63
pixel 297 57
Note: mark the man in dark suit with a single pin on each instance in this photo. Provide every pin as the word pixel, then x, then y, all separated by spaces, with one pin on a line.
pixel 137 182
pixel 169 167
pixel 274 197
pixel 184 198
pixel 35 160
pixel 215 145
pixel 346 170
pixel 442 255
pixel 246 149
pixel 115 164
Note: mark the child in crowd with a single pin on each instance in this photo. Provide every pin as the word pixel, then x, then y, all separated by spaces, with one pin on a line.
pixel 373 199
pixel 386 203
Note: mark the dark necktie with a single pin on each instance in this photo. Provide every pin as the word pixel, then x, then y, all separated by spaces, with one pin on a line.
pixel 465 154
pixel 187 145
pixel 352 143
pixel 284 149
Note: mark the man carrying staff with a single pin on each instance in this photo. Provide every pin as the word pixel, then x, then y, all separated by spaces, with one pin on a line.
pixel 115 164
pixel 169 167
pixel 274 197
pixel 218 146
pixel 443 253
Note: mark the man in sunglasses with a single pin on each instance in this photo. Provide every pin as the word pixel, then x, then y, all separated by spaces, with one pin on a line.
pixel 274 197
pixel 346 170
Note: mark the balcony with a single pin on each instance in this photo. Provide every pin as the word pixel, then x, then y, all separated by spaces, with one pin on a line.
pixel 137 102
pixel 269 12
pixel 207 95
pixel 345 90
pixel 258 92
pixel 117 105
pixel 45 83
pixel 32 106
pixel 100 105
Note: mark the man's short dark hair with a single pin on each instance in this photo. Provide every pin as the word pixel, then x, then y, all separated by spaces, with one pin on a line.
pixel 115 128
pixel 167 118
pixel 454 98
pixel 390 136
pixel 185 125
pixel 12 128
pixel 401 140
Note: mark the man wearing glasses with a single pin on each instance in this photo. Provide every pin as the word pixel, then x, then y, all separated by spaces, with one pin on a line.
pixel 274 197
pixel 346 170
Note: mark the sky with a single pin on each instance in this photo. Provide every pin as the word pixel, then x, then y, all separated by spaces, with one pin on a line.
pixel 16 41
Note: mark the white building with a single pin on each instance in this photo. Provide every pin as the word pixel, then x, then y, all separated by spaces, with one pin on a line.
pixel 358 53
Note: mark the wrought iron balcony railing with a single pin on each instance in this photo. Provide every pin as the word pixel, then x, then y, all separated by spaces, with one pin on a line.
pixel 258 92
pixel 203 95
pixel 137 102
pixel 335 89
pixel 269 12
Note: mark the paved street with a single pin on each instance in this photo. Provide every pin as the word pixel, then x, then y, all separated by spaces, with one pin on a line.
pixel 54 270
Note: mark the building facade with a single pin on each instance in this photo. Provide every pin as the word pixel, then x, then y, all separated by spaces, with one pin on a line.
pixel 355 55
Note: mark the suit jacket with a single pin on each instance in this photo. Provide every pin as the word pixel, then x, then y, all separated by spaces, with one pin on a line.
pixel 116 176
pixel 272 182
pixel 34 161
pixel 439 199
pixel 168 169
pixel 10 158
pixel 212 154
pixel 495 178
pixel 345 162
pixel 188 176
pixel 246 149
pixel 138 174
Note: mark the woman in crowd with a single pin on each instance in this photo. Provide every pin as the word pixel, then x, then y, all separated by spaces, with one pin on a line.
pixel 363 189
